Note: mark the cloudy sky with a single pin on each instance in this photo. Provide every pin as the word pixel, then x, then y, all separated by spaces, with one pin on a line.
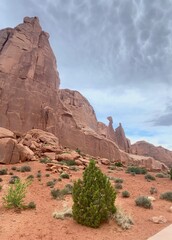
pixel 117 53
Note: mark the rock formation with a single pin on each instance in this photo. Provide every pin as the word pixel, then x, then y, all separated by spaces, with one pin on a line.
pixel 147 149
pixel 121 139
pixel 30 97
pixel 28 78
pixel 37 144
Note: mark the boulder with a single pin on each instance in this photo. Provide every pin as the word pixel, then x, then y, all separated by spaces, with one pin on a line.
pixel 9 152
pixel 159 219
pixel 5 133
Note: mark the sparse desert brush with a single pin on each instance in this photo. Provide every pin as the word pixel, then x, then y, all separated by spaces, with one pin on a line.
pixel 45 160
pixel 118 186
pixel 144 202
pixel 0 187
pixel 125 194
pixel 14 168
pixel 51 183
pixel 62 214
pixel 65 175
pixel 149 177
pixel 25 168
pixel 31 177
pixel 160 175
pixel 119 180
pixel 16 194
pixel 31 205
pixel 1 179
pixel 13 179
pixel 153 190
pixel 68 162
pixel 166 196
pixel 3 171
pixel 123 220
pixel 118 164
pixel 93 197
pixel 136 170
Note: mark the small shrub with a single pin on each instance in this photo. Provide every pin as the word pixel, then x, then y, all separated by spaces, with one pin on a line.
pixel 3 171
pixel 0 187
pixel 25 168
pixel 136 170
pixel 111 167
pixel 16 194
pixel 13 179
pixel 31 205
pixel 149 177
pixel 1 179
pixel 118 164
pixel 78 151
pixel 143 202
pixel 14 168
pixel 119 180
pixel 153 190
pixel 67 189
pixel 39 175
pixel 18 170
pixel 45 160
pixel 122 219
pixel 93 197
pixel 64 175
pixel 159 175
pixel 73 168
pixel 166 196
pixel 47 174
pixel 51 184
pixel 56 193
pixel 125 194
pixel 11 173
pixel 68 162
pixel 31 177
pixel 118 186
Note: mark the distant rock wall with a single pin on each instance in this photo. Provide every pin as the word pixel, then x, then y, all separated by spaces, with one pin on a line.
pixel 158 153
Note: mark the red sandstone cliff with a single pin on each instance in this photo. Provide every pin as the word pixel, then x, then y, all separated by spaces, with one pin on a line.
pixel 30 96
pixel 158 153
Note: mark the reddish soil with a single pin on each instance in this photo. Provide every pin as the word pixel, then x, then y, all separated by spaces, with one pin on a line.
pixel 39 223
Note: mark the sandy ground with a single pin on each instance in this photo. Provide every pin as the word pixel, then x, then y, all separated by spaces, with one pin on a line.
pixel 39 223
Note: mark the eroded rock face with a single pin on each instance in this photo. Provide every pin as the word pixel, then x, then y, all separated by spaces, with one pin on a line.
pixel 147 149
pixel 28 78
pixel 121 139
pixel 30 97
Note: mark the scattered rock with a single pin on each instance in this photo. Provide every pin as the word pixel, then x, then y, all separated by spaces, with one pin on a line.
pixel 151 198
pixel 105 161
pixel 159 219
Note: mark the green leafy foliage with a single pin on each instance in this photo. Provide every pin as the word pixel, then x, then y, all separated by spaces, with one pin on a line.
pixel 16 194
pixel 93 197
